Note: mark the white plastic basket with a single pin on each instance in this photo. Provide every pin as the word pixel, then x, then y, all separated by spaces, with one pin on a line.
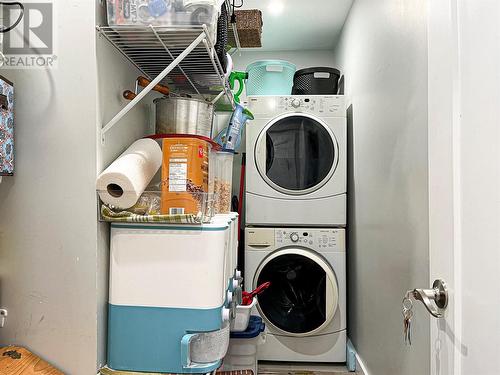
pixel 240 322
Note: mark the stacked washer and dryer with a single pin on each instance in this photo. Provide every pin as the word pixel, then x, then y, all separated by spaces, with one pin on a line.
pixel 296 193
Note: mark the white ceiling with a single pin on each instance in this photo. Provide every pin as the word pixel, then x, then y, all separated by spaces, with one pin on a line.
pixel 300 24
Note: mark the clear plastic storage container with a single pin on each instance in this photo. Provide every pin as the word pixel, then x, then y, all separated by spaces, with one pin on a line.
pixel 148 210
pixel 163 12
pixel 223 181
pixel 184 194
pixel 243 346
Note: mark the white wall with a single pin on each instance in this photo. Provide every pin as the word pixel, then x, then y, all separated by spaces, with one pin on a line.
pixel 383 54
pixel 47 210
pixel 53 251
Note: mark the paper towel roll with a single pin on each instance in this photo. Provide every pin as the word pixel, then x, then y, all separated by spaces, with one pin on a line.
pixel 123 182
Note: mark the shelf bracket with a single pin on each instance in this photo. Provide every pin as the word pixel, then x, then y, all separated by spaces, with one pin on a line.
pixel 172 57
pixel 153 83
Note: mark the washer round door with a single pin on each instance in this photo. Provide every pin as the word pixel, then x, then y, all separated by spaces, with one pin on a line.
pixel 296 153
pixel 303 296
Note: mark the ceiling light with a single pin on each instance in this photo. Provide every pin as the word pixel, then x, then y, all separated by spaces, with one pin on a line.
pixel 276 7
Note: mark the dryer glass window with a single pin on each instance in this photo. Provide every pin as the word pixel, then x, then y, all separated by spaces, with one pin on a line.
pixel 300 153
pixel 296 300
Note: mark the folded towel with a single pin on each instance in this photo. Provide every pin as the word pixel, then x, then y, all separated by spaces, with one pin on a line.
pixel 125 216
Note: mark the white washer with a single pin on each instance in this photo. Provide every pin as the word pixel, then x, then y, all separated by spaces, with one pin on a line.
pixel 296 161
pixel 305 307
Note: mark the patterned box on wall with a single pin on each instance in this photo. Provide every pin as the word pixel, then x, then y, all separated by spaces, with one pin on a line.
pixel 6 127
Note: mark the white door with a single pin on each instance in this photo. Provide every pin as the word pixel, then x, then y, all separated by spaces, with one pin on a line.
pixel 464 183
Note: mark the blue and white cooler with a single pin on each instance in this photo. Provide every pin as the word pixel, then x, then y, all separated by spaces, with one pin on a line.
pixel 167 298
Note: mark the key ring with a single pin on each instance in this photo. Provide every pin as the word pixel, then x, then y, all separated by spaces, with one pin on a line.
pixel 407 304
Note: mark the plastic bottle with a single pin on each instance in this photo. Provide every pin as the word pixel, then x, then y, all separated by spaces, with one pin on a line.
pixel 230 137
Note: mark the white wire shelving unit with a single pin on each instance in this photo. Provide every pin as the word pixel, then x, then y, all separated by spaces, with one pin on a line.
pixel 183 58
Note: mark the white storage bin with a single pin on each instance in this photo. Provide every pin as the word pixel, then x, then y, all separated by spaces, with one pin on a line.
pixel 242 352
pixel 240 322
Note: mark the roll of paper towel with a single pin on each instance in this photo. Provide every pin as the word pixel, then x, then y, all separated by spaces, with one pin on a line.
pixel 123 182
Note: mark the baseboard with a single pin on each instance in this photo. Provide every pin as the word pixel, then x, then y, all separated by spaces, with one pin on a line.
pixel 360 366
pixel 354 362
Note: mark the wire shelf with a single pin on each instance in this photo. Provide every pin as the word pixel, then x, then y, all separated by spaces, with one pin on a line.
pixel 182 58
pixel 152 48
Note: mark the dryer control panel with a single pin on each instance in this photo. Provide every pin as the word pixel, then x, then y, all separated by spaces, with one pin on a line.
pixel 314 239
pixel 320 105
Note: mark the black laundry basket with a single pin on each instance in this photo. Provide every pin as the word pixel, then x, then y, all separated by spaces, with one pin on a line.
pixel 316 81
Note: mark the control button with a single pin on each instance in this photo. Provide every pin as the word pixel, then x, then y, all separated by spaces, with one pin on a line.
pixel 294 237
pixel 296 103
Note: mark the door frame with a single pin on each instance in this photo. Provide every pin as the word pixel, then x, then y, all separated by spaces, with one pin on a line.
pixel 444 153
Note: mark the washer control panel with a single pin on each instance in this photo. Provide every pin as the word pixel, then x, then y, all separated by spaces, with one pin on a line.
pixel 320 105
pixel 315 239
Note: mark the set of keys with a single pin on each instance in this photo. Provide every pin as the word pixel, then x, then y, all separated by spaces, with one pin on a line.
pixel 435 300
pixel 407 311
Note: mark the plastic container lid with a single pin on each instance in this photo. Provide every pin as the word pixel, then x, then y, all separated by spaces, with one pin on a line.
pixel 215 146
pixel 255 327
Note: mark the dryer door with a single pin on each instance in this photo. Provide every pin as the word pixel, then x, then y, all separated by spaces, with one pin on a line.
pixel 303 296
pixel 296 153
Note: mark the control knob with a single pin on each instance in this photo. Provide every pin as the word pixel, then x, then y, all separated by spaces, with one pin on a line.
pixel 294 237
pixel 295 103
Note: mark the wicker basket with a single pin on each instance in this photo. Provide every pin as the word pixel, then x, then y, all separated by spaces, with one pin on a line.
pixel 249 25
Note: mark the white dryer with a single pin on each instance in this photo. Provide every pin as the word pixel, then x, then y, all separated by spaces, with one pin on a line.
pixel 296 161
pixel 305 306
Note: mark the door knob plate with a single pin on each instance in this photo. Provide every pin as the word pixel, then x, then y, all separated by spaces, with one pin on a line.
pixel 442 295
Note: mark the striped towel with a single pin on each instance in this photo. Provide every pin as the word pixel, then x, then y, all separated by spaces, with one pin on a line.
pixel 125 216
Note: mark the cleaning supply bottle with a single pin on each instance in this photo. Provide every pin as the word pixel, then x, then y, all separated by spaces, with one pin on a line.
pixel 230 137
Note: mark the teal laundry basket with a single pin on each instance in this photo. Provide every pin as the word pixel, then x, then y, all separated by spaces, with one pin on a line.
pixel 270 77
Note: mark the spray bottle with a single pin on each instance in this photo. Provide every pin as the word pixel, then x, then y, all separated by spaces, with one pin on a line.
pixel 240 77
pixel 230 137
